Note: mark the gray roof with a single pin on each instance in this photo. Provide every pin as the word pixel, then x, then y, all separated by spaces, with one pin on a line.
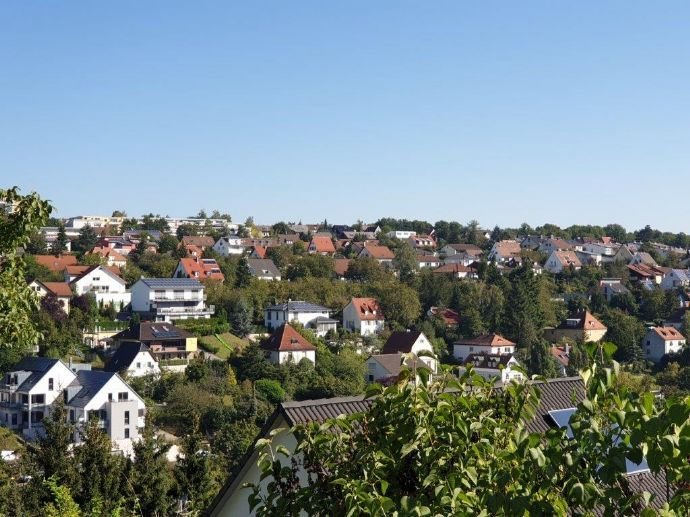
pixel 320 410
pixel 38 366
pixel 258 266
pixel 91 382
pixel 165 283
pixel 125 355
pixel 393 362
pixel 298 306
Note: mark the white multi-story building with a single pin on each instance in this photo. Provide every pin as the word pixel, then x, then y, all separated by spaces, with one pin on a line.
pixel 104 284
pixel 94 221
pixel 305 313
pixel 401 234
pixel 169 299
pixel 490 344
pixel 230 245
pixel 500 367
pixel 31 388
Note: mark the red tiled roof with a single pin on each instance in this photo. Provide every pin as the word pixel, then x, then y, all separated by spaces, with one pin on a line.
pixel 59 289
pixel 287 339
pixel 340 266
pixel 380 252
pixel 202 241
pixel 107 252
pixel 454 268
pixel 368 309
pixel 486 340
pixel 668 333
pixel 56 263
pixel 567 258
pixel 76 270
pixel 449 316
pixel 322 244
pixel 260 251
pixel 202 268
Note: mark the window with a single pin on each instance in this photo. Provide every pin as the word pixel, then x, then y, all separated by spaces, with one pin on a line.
pixel 471 349
pixel 269 315
pixel 138 365
pixel 14 419
pixel 50 384
pixel 110 397
pixel 71 415
pixel 127 432
pixel 123 395
pixel 141 412
pixel 126 417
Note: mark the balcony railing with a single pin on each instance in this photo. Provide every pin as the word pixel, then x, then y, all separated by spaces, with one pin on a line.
pixel 185 310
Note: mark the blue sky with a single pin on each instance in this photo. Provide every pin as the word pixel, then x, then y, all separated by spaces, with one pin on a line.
pixel 504 112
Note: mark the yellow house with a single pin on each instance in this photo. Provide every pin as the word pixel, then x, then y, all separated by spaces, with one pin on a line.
pixel 580 326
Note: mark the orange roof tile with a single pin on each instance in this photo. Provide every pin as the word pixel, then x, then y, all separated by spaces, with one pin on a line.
pixel 321 244
pixel 56 263
pixel 202 268
pixel 368 309
pixel 287 339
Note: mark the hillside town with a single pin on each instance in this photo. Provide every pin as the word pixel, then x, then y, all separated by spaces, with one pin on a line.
pixel 171 336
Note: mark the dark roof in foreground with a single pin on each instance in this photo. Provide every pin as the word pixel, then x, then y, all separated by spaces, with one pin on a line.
pixel 123 357
pixel 153 331
pixel 401 341
pixel 91 383
pixel 320 410
pixel 165 283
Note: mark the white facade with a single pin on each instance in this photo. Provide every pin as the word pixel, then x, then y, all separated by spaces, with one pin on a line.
pixel 170 299
pixel 142 365
pixel 276 316
pixel 95 221
pixel 656 345
pixel 294 356
pixel 674 279
pixel 353 321
pixel 42 291
pixel 401 234
pixel 106 286
pixel 462 351
pixel 25 409
pixel 504 375
pixel 230 245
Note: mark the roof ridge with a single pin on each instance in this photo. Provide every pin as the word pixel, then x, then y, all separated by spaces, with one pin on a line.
pixel 323 401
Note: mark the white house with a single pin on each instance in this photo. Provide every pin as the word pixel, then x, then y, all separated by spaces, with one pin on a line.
pixel 503 251
pixel 28 391
pixel 133 359
pixel 548 246
pixel 363 316
pixel 405 342
pixel 287 345
pixel 401 234
pixel 492 366
pixel 382 254
pixel 104 395
pixel 263 269
pixel 490 344
pixel 560 260
pixel 61 290
pixel 386 367
pixel 169 299
pixel 430 261
pixel 421 241
pixel 230 245
pixel 675 279
pixel 104 284
pixel 661 341
pixel 294 311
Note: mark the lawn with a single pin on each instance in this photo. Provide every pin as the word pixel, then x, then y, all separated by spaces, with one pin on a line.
pixel 227 343
pixel 8 440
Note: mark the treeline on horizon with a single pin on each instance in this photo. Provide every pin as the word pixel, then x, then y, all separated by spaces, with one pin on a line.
pixel 453 231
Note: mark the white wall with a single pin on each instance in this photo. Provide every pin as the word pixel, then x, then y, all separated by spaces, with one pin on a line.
pixel 352 322
pixel 295 357
pixel 143 364
pixel 462 351
pixel 280 317
pixel 98 281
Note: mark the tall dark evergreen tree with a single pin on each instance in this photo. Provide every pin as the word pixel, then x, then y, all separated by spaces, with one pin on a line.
pixel 194 472
pixel 243 274
pixel 87 239
pixel 524 319
pixel 240 318
pixel 150 475
pixel 60 244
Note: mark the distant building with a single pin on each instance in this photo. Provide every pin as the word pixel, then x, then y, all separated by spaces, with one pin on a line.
pixel 199 268
pixel 488 344
pixel 169 299
pixel 298 311
pixel 661 341
pixel 363 316
pixel 579 326
pixel 406 342
pixel 287 345
pixel 165 341
pixel 134 360
pixel 490 366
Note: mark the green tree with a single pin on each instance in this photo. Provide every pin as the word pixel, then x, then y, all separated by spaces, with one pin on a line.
pixel 540 361
pixel 86 241
pixel 399 302
pixel 194 471
pixel 524 319
pixel 243 275
pixel 52 454
pixel 626 332
pixel 366 270
pixel 150 476
pixel 168 244
pixel 60 244
pixel 62 503
pixel 240 318
pixel 37 244
pixel 17 301
pixel 406 263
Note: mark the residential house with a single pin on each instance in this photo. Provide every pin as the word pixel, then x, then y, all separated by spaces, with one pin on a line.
pixel 554 244
pixel 133 359
pixel 363 316
pixel 462 258
pixel 305 313
pixel 263 269
pixel 382 254
pixel 457 270
pixel 107 397
pixel 124 244
pixel 661 341
pixel 71 273
pixel 56 264
pixel 488 344
pixel 169 299
pixel 532 242
pixel 168 344
pixel 287 345
pixel 28 391
pixel 453 249
pixel 406 342
pixel 385 368
pixel 94 221
pixel 401 234
pixel 677 318
pixel 642 257
pixel 230 245
pixel 421 242
pixel 676 279
pixel 322 245
pixel 200 241
pixel 561 354
pixel 340 267
pixel 559 261
pixel 502 251
pixel 646 274
pixel 494 366
pixel 199 268
pixel 449 317
pixel 428 261
pixel 557 402
pixel 580 326
pixel 61 290
pixel 611 287
pixel 110 256
pixel 258 252
pixel 106 286
pixel 623 254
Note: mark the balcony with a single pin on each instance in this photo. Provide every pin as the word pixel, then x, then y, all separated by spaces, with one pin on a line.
pixel 177 298
pixel 184 311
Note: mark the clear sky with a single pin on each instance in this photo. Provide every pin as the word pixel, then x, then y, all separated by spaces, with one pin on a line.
pixel 504 112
